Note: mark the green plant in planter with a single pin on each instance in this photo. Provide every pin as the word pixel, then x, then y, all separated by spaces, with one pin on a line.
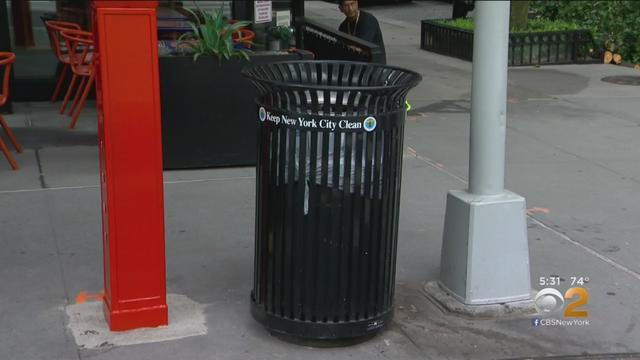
pixel 212 36
pixel 533 25
pixel 283 33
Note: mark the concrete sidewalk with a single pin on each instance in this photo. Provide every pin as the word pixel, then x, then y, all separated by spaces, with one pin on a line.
pixel 573 150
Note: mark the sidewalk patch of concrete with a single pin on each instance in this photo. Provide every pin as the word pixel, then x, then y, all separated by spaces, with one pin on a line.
pixel 441 298
pixel 90 330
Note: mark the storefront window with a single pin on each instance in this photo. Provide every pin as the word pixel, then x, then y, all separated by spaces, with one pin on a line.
pixel 23 31
pixel 29 39
pixel 36 65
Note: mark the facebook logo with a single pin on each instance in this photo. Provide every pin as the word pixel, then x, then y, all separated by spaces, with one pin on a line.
pixel 535 322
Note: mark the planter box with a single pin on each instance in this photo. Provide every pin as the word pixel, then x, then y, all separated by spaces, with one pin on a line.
pixel 209 117
pixel 365 3
pixel 556 47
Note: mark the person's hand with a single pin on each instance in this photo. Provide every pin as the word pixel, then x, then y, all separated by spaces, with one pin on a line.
pixel 355 49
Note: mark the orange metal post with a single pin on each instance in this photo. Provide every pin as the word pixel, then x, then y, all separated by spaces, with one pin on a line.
pixel 128 98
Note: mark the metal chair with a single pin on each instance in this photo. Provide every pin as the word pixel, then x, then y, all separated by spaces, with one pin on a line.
pixel 6 60
pixel 54 29
pixel 81 54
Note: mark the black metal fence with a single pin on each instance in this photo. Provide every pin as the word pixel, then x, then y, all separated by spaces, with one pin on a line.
pixel 446 40
pixel 556 47
pixel 330 44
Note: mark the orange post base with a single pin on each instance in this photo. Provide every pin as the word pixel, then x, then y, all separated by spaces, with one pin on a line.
pixel 137 318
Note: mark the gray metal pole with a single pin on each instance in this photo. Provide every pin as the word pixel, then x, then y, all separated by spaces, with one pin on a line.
pixel 485 253
pixel 489 95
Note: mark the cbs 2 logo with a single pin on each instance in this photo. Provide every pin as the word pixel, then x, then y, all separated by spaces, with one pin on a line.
pixel 549 300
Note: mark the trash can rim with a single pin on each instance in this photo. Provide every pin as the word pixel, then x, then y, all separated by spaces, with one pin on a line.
pixel 417 78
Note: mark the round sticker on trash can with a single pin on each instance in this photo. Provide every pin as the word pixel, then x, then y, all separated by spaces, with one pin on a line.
pixel 369 124
pixel 262 114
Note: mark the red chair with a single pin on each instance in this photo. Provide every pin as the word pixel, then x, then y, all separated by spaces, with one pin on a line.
pixel 243 37
pixel 81 53
pixel 54 29
pixel 6 60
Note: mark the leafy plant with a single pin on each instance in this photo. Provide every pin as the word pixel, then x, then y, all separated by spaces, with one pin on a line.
pixel 533 25
pixel 281 32
pixel 212 36
pixel 614 24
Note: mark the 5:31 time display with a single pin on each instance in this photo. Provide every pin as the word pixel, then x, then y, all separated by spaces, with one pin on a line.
pixel 549 281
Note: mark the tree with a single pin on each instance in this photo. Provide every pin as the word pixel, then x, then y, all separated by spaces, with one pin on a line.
pixel 519 14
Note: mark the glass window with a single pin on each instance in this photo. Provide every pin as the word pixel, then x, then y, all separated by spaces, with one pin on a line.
pixel 36 65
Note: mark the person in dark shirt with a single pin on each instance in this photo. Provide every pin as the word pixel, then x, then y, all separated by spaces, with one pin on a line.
pixel 361 24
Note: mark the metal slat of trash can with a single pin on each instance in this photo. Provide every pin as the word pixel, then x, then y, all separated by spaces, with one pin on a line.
pixel 328 193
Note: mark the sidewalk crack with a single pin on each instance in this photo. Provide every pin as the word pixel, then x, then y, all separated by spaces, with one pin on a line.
pixel 29 123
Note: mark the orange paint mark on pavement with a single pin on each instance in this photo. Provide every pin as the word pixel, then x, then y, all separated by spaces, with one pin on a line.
pixel 83 297
pixel 538 210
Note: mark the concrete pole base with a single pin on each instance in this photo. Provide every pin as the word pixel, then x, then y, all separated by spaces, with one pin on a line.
pixel 443 298
pixel 485 254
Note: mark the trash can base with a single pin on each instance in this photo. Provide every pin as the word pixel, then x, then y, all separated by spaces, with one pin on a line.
pixel 323 343
pixel 297 331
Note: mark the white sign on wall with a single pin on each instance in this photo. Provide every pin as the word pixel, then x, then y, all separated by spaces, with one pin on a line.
pixel 262 11
pixel 283 18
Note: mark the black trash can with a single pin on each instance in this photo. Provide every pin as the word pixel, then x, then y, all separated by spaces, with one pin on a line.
pixel 327 198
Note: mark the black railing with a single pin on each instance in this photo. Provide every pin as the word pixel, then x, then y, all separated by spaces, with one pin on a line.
pixel 446 40
pixel 330 44
pixel 555 47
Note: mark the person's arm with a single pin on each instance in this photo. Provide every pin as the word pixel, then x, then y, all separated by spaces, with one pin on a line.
pixel 368 28
pixel 343 26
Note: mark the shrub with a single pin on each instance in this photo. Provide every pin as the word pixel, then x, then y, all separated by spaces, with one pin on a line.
pixel 614 24
pixel 534 25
